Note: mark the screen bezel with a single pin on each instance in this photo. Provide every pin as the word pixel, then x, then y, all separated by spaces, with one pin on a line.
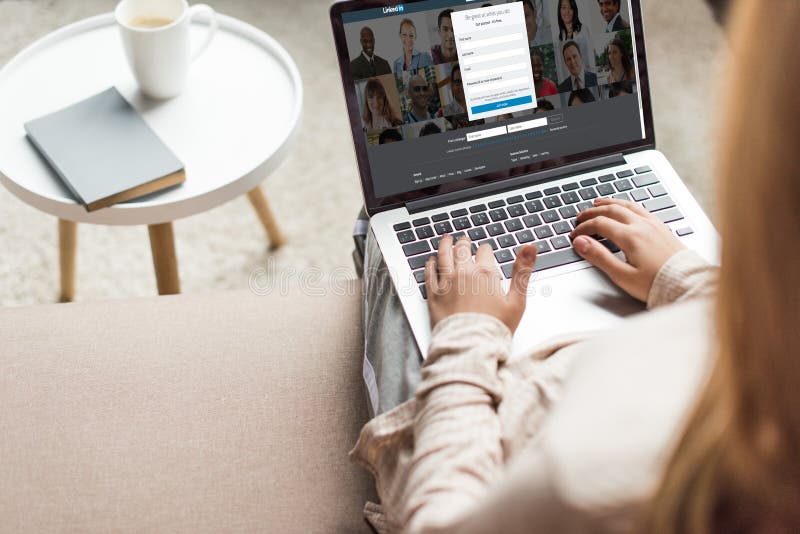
pixel 375 204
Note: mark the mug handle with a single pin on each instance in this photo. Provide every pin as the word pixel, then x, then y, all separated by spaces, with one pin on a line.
pixel 212 26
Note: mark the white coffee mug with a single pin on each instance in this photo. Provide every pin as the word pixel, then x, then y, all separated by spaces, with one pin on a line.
pixel 155 34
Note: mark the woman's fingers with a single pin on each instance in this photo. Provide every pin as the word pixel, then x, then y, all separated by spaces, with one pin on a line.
pixel 431 277
pixel 612 211
pixel 521 274
pixel 444 256
pixel 462 253
pixel 606 227
pixel 486 269
pixel 485 257
pixel 633 206
pixel 602 258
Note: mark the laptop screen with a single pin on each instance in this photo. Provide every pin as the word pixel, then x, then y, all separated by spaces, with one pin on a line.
pixel 458 91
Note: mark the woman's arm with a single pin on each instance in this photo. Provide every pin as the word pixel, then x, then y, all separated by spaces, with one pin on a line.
pixel 684 276
pixel 457 450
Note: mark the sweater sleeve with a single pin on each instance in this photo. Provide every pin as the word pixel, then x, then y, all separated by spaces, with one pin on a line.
pixel 457 446
pixel 683 276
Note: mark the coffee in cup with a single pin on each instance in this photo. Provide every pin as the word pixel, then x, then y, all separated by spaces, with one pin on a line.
pixel 149 22
pixel 155 35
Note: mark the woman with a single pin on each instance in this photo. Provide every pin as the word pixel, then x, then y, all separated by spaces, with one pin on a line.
pixel 411 59
pixel 378 113
pixel 569 24
pixel 479 448
pixel 570 28
pixel 736 467
pixel 619 62
pixel 544 86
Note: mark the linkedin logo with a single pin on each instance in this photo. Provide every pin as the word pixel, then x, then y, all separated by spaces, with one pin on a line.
pixel 394 9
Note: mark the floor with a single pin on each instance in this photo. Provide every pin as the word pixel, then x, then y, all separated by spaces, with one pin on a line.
pixel 316 192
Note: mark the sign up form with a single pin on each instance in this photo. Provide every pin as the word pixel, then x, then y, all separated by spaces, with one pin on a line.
pixel 494 57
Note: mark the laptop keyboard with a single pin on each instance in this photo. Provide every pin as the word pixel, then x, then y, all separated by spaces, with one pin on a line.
pixel 539 217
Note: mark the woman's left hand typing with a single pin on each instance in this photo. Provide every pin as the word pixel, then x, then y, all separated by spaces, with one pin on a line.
pixel 456 284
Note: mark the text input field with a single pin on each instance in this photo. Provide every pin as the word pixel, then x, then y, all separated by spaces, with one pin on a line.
pixel 485 134
pixel 527 125
pixel 471 75
pixel 468 61
pixel 490 41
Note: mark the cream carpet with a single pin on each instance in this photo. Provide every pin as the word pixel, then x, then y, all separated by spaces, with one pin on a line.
pixel 316 192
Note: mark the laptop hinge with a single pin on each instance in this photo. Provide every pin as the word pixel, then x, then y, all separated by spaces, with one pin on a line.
pixel 480 191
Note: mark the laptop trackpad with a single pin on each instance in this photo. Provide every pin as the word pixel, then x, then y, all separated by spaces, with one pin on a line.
pixel 578 301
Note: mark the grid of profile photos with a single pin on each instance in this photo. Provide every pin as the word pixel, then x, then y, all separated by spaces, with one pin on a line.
pixel 408 79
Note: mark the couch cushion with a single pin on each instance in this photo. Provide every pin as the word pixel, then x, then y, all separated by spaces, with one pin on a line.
pixel 196 413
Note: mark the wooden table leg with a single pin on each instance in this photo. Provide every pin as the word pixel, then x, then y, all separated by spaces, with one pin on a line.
pixel 67 247
pixel 260 204
pixel 162 245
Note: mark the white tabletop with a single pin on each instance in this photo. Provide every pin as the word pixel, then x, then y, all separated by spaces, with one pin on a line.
pixel 230 127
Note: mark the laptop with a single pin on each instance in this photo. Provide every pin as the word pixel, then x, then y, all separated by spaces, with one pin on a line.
pixel 502 121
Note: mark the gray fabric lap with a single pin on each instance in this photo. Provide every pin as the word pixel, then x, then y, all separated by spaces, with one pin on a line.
pixel 391 358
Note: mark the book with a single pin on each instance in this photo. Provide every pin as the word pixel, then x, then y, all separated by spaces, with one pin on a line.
pixel 104 151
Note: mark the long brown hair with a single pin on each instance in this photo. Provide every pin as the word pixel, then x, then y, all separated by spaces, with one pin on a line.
pixel 627 62
pixel 737 466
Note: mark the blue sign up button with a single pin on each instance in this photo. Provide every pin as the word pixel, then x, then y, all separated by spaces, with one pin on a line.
pixel 494 106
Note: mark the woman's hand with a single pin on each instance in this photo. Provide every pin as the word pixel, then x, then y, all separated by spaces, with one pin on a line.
pixel 646 241
pixel 456 284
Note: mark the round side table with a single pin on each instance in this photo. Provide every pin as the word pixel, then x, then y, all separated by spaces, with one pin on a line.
pixel 231 127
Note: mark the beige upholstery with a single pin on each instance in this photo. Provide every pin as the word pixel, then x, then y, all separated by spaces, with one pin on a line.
pixel 210 413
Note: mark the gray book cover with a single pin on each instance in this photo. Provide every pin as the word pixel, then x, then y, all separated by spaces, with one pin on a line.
pixel 104 151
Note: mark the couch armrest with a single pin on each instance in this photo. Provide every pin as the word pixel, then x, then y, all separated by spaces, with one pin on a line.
pixel 196 413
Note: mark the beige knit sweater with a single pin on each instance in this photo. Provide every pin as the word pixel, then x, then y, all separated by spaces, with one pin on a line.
pixel 570 437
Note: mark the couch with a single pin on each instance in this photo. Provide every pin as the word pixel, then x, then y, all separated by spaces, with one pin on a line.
pixel 190 413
